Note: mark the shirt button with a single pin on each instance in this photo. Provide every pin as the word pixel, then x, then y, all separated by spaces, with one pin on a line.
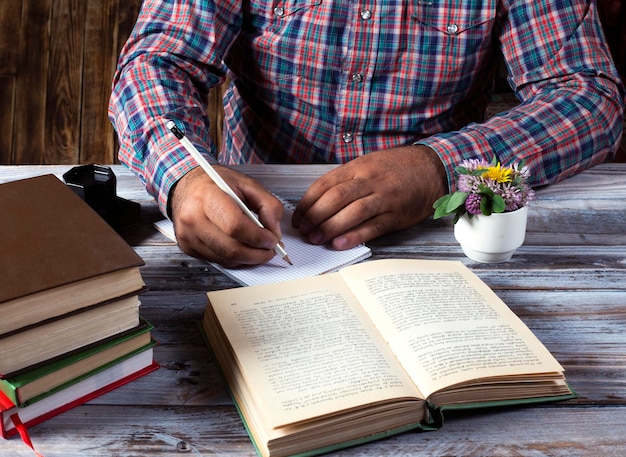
pixel 279 11
pixel 452 29
pixel 347 137
pixel 357 77
pixel 366 14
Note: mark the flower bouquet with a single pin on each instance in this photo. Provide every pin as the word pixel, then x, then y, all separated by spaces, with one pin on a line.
pixel 486 188
pixel 490 209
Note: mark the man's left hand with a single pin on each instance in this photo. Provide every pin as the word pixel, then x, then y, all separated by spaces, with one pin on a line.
pixel 374 194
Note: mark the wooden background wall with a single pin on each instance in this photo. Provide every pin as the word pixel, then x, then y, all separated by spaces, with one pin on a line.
pixel 57 59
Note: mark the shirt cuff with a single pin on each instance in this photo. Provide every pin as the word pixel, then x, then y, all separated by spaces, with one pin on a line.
pixel 168 165
pixel 454 147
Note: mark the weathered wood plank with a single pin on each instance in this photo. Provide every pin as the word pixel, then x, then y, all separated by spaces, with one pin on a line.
pixel 64 87
pixel 532 268
pixel 128 10
pixel 108 24
pixel 7 97
pixel 31 86
pixel 100 50
pixel 599 184
pixel 554 430
pixel 215 111
pixel 9 28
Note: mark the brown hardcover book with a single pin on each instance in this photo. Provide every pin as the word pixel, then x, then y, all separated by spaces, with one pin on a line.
pixel 54 338
pixel 57 255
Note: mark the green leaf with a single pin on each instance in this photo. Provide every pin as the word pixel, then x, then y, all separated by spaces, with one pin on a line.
pixel 456 200
pixel 498 204
pixel 459 213
pixel 440 212
pixel 440 206
pixel 485 190
pixel 485 206
pixel 479 171
pixel 442 201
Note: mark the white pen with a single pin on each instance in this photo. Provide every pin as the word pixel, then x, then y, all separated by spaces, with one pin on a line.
pixel 217 179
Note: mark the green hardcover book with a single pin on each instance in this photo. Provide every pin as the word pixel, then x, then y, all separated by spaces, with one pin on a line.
pixel 30 385
pixel 378 348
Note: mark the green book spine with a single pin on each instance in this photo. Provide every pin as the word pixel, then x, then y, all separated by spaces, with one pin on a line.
pixel 8 389
pixel 11 385
pixel 86 375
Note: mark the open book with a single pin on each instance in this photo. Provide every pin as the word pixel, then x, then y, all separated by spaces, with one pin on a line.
pixel 380 347
pixel 308 259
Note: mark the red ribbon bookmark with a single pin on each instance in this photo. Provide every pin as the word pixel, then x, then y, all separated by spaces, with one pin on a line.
pixel 23 431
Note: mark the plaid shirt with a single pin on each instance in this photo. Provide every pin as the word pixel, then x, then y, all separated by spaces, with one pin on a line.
pixel 321 81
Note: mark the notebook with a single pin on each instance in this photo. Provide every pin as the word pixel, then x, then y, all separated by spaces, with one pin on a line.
pixel 308 259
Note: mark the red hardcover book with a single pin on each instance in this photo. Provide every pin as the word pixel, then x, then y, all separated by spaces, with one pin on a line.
pixel 16 420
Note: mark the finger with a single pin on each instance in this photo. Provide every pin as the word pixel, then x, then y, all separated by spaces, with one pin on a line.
pixel 260 201
pixel 368 230
pixel 230 252
pixel 319 187
pixel 338 202
pixel 268 208
pixel 348 218
pixel 230 220
pixel 228 256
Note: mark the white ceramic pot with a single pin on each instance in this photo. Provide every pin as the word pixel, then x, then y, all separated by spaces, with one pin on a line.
pixel 492 238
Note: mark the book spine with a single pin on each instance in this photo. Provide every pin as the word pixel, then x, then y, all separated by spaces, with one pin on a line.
pixel 6 405
pixel 8 391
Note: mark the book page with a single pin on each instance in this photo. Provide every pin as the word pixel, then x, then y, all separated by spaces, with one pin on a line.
pixel 308 259
pixel 305 351
pixel 444 324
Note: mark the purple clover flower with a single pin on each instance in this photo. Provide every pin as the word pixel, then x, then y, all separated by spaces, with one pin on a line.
pixel 478 180
pixel 472 203
pixel 515 192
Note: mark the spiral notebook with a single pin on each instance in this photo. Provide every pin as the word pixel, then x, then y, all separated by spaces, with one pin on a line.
pixel 308 259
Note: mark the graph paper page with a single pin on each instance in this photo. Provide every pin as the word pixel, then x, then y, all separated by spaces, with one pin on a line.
pixel 308 259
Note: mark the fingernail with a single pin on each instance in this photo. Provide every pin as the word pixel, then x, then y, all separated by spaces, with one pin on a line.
pixel 268 244
pixel 340 243
pixel 305 227
pixel 315 237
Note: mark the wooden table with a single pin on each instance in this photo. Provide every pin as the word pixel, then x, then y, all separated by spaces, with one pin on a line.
pixel 567 282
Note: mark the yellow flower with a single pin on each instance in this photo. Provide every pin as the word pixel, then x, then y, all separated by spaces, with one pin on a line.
pixel 498 174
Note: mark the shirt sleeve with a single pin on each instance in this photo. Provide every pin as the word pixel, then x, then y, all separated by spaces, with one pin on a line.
pixel 165 71
pixel 572 98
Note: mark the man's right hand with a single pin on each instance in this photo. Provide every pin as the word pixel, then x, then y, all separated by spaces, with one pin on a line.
pixel 209 224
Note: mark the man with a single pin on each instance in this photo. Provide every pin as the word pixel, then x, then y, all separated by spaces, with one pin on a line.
pixel 393 90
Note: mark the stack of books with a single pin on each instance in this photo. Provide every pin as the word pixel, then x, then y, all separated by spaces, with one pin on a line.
pixel 70 327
